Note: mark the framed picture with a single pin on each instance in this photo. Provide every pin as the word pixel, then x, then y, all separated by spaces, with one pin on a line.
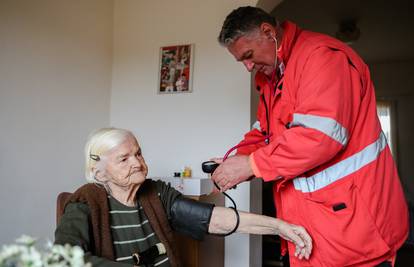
pixel 176 67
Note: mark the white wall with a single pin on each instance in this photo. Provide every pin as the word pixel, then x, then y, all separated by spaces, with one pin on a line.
pixel 55 73
pixel 181 129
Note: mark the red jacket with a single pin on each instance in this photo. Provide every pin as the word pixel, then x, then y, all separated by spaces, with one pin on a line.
pixel 332 169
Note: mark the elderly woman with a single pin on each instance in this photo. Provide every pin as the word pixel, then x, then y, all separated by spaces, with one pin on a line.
pixel 120 218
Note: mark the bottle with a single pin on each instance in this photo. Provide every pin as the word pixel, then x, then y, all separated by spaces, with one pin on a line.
pixel 187 172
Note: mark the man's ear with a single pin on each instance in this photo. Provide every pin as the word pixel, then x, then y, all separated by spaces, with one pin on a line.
pixel 268 30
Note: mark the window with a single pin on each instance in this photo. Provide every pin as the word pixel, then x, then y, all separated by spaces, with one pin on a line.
pixel 385 110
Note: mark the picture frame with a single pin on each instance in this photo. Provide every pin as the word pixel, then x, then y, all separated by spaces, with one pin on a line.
pixel 176 69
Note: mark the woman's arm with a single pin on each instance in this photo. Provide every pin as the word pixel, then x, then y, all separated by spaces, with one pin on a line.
pixel 196 218
pixel 223 220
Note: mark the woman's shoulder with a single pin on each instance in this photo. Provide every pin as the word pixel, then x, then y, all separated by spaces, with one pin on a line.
pixel 164 192
pixel 77 207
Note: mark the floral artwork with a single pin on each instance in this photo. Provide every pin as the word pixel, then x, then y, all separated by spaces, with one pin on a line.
pixel 175 72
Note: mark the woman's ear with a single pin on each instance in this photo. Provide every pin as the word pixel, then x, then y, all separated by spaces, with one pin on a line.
pixel 99 175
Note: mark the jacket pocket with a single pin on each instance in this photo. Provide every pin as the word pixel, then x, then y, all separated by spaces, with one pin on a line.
pixel 340 224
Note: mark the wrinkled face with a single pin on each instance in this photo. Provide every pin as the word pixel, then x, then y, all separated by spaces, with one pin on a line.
pixel 125 165
pixel 255 52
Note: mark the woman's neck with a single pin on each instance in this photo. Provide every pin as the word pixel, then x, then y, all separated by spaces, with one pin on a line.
pixel 125 195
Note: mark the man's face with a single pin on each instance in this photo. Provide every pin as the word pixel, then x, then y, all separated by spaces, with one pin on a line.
pixel 256 52
pixel 125 164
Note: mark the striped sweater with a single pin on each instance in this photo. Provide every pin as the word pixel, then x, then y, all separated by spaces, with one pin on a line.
pixel 111 231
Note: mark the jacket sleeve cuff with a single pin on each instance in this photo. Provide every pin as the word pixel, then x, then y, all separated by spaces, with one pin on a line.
pixel 254 166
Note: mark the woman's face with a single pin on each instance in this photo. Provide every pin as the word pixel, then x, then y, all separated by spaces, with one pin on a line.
pixel 125 165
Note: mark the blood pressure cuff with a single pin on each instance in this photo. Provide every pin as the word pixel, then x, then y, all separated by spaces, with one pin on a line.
pixel 191 217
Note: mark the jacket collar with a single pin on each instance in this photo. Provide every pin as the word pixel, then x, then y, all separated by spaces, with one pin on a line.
pixel 290 33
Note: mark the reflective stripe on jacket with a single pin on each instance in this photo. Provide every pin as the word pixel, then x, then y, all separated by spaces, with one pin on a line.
pixel 332 169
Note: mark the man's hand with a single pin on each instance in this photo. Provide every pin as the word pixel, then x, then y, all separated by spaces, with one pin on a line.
pixel 234 170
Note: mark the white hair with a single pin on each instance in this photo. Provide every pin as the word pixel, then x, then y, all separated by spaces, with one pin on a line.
pixel 100 142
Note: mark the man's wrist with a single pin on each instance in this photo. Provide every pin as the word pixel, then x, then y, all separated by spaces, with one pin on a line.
pixel 253 166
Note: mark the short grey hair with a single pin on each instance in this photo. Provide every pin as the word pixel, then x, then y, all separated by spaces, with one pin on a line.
pixel 100 142
pixel 243 21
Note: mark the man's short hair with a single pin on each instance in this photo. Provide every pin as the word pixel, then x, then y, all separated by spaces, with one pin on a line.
pixel 242 21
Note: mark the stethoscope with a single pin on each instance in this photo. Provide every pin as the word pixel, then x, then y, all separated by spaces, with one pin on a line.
pixel 211 166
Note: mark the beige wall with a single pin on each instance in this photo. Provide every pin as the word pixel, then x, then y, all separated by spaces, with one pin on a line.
pixel 181 129
pixel 55 73
pixel 59 60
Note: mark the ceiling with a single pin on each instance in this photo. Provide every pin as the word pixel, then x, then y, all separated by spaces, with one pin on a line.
pixel 386 27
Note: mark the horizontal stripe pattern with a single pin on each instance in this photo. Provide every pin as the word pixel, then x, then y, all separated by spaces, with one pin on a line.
pixel 124 258
pixel 341 169
pixel 123 211
pixel 129 225
pixel 326 125
pixel 132 231
pixel 161 262
pixel 133 240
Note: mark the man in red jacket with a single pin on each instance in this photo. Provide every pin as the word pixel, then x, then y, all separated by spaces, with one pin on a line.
pixel 319 140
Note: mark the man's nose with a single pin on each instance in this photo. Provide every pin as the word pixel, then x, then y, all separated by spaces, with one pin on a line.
pixel 249 65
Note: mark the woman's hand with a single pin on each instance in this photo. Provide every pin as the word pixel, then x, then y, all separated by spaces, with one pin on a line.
pixel 298 236
pixel 223 220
